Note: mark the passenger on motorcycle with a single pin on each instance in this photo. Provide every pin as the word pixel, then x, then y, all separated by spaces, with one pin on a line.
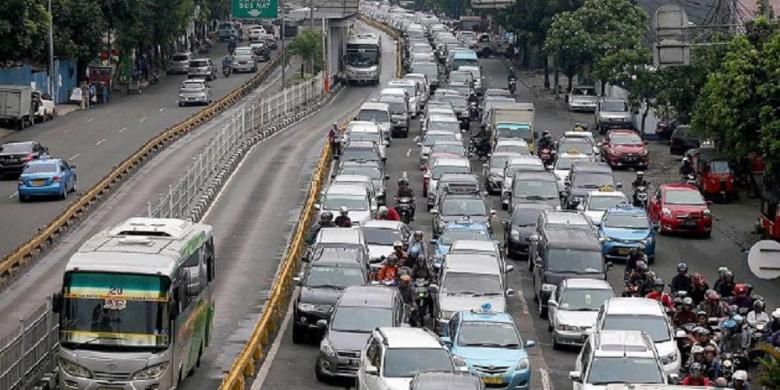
pixel 334 138
pixel 422 270
pixel 701 318
pixel 742 296
pixel 686 168
pixel 733 339
pixel 682 281
pixel 417 246
pixel 511 75
pixel 725 283
pixel 699 287
pixel 697 356
pixel 227 61
pixel 713 306
pixel 740 380
pixel 546 142
pixel 405 191
pixel 326 221
pixel 343 219
pixel 685 315
pixel 758 314
pixel 641 279
pixel 695 377
pixel 406 287
pixel 398 251
pixel 659 295
pixel 635 255
pixel 388 213
pixel 389 270
pixel 703 337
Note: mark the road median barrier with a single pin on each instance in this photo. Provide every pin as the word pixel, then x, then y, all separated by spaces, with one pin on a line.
pixel 48 234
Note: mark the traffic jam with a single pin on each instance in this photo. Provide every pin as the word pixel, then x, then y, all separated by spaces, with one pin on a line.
pixel 406 281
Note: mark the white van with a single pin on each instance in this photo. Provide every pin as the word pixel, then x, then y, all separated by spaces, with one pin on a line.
pixel 397 100
pixel 378 113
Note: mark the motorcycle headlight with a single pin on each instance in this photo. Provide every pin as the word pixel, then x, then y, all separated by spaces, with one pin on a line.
pixel 327 348
pixel 152 372
pixel 523 365
pixel 515 234
pixel 459 361
pixel 669 359
pixel 74 369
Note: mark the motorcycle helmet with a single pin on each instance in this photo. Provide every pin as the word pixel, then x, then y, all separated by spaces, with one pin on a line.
pixel 641 266
pixel 699 331
pixel 640 174
pixel 687 301
pixel 738 319
pixel 686 160
pixel 696 349
pixel 698 279
pixel 421 259
pixel 344 210
pixel 392 259
pixel 710 349
pixel 326 216
pixel 405 278
pixel 776 314
pixel 695 368
pixel 383 210
pixel 740 375
pixel 712 295
pixel 722 270
pixel 740 289
pixel 658 284
pixel 418 234
pixel 682 267
pixel 398 245
pixel 729 325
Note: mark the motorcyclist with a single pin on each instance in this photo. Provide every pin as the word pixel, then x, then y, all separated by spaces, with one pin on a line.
pixel 697 356
pixel 659 295
pixel 343 219
pixel 231 45
pixel 758 314
pixel 640 180
pixel 417 245
pixel 699 287
pixel 713 306
pixel 774 338
pixel 635 255
pixel 733 339
pixel 685 315
pixel 406 287
pixel 511 75
pixel 711 362
pixel 326 221
pixel 703 337
pixel 725 283
pixel 406 191
pixel 422 270
pixel 740 380
pixel 389 270
pixel 701 318
pixel 742 296
pixel 695 376
pixel 546 141
pixel 388 213
pixel 686 168
pixel 227 61
pixel 682 281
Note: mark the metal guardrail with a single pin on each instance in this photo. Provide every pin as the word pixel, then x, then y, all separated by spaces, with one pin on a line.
pixel 27 350
pixel 245 364
pixel 49 233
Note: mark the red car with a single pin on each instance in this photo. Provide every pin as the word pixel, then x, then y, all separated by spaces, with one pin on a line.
pixel 679 207
pixel 624 148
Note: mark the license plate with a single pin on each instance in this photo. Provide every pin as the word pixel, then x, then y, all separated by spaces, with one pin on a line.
pixel 492 380
pixel 352 362
pixel 623 251
pixel 690 223
pixel 630 158
pixel 39 182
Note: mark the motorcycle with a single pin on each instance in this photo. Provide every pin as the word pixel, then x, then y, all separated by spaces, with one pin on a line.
pixel 758 334
pixel 227 69
pixel 689 179
pixel 476 148
pixel 473 111
pixel 548 156
pixel 422 296
pixel 640 196
pixel 404 208
pixel 512 85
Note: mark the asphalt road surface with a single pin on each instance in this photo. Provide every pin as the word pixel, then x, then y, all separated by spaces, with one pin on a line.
pixel 291 366
pixel 98 139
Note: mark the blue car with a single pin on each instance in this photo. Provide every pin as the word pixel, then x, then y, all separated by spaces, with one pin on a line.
pixel 490 346
pixel 46 177
pixel 457 231
pixel 624 227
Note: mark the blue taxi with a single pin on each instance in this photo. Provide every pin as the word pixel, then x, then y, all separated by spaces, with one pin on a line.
pixel 490 346
pixel 46 177
pixel 624 227
pixel 457 231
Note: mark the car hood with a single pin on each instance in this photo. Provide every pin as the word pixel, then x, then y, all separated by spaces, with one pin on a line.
pixel 595 216
pixel 557 277
pixel 626 234
pixel 324 296
pixel 377 251
pixel 397 383
pixel 681 210
pixel 632 149
pixel 347 341
pixel 492 356
pixel 455 303
pixel 551 201
pixel 582 319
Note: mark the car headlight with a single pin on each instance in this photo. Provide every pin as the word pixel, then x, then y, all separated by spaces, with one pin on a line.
pixel 74 369
pixel 523 364
pixel 707 213
pixel 548 287
pixel 644 152
pixel 666 212
pixel 648 240
pixel 152 372
pixel 515 234
pixel 327 348
pixel 305 307
pixel 459 361
pixel 669 359
pixel 569 328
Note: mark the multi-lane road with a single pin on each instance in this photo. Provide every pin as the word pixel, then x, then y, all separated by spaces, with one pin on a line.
pixel 291 366
pixel 98 139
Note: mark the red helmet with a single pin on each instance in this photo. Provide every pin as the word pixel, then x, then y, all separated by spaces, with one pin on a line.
pixel 713 295
pixel 740 289
pixel 698 279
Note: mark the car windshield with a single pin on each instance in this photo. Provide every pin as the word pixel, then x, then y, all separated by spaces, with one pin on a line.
pixel 464 207
pixel 425 68
pixel 180 57
pixel 431 139
pixel 525 216
pixel 40 168
pixel 614 106
pixel 504 130
pixel 625 139
pixel 406 362
pixel 471 284
pixel 442 169
pixel 448 148
pixel 575 146
pixel 655 326
pixel 379 236
pixel 576 261
pixel 410 89
pixel 361 319
pixel 450 236
pixel 334 277
pixel 453 126
pixel 690 197
pixel 372 173
pixel 499 162
pixel 377 116
pixel 584 92
pixel 608 370
pixel 455 100
pixel 626 221
pixel 16 148
pixel 529 167
pixel 536 189
pixel 601 203
pixel 334 202
pixel 360 154
pixel 488 334
pixel 720 167
pixel 365 136
pixel 192 85
pixel 364 58
pixel 584 299
pixel 461 88
pixel 512 148
pixel 593 181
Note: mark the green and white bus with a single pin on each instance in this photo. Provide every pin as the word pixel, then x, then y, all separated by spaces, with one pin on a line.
pixel 137 306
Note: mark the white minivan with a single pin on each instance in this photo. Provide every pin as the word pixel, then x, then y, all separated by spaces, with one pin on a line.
pixel 400 113
pixel 378 113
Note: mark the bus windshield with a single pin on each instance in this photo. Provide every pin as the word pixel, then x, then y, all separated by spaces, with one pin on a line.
pixel 117 310
pixel 362 57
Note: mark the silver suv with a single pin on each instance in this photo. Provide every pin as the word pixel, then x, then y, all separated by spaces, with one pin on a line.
pixel 202 68
pixel 613 113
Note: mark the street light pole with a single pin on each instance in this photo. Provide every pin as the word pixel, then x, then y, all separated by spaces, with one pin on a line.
pixel 51 52
pixel 281 35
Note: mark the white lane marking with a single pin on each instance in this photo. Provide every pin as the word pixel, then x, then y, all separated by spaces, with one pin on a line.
pixel 408 152
pixel 143 119
pixel 162 109
pixel 546 384
pixel 100 142
pixel 90 120
pixel 75 156
pixel 523 305
pixel 122 130
pixel 13 195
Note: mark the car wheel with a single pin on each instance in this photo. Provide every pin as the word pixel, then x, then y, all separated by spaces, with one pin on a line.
pixel 707 234
pixel 555 344
pixel 298 334
pixel 319 374
pixel 64 194
pixel 22 198
pixel 73 187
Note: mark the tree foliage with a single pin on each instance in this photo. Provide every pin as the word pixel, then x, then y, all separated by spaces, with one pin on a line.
pixel 24 25
pixel 308 46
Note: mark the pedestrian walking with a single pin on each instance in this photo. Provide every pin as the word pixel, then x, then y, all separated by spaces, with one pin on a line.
pixel 84 95
pixel 92 95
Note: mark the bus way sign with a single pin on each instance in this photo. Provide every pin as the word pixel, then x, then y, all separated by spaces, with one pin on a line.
pixel 253 9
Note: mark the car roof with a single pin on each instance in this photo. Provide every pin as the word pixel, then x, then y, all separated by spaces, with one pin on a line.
pixel 522 159
pixel 44 161
pixel 383 224
pixel 441 117
pixel 351 179
pixel 474 245
pixel 346 189
pixel 392 91
pixel 540 176
pixel 511 141
pixel 678 186
pixel 566 218
pixel 626 209
pixel 451 161
pixel 622 131
pixel 336 256
pixel 446 142
pixel 456 226
pixel 458 177
pixel 490 316
pixel 590 166
pixel 472 263
pixel 361 144
pixel 374 106
pixel 409 338
pixel 586 283
pixel 368 296
pixel 562 237
pixel 623 343
pixel 613 99
pixel 363 126
pixel 633 306
pixel 401 82
pixel 606 194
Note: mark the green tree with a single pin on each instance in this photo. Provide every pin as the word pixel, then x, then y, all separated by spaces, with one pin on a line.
pixel 79 28
pixel 308 46
pixel 24 27
pixel 631 71
pixel 568 43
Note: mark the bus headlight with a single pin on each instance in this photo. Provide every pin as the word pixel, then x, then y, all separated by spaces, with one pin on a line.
pixel 74 369
pixel 152 372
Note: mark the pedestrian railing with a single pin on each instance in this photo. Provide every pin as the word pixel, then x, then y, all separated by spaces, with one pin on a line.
pixel 27 350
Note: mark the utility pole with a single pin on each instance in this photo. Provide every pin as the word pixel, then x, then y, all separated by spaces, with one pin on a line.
pixel 284 53
pixel 51 52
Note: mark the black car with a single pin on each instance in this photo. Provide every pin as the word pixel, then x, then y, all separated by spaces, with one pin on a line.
pixel 14 156
pixel 519 227
pixel 682 140
pixel 331 270
pixel 587 176
pixel 536 187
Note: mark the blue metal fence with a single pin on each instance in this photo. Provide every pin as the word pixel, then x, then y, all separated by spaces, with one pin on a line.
pixel 65 78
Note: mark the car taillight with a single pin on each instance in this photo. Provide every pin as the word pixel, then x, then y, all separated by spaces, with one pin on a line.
pixel 28 157
pixel 55 178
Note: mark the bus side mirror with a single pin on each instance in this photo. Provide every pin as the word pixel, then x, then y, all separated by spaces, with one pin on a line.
pixel 56 302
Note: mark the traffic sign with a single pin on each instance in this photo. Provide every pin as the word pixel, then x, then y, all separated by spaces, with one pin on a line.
pixel 764 259
pixel 254 9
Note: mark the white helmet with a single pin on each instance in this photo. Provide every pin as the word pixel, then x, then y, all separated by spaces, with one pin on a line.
pixel 740 375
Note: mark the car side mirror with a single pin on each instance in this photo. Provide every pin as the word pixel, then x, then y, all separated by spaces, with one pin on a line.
pixel 645 142
pixel 317 206
pixel 434 212
pixel 371 370
pixel 552 303
pixel 417 139
pixel 322 324
pixel 298 279
pixel 674 379
pixel 610 265
pixel 510 292
pixel 580 208
pixel 387 177
pixel 72 166
pixel 446 340
pixel 419 144
pixel 575 376
pixel 709 203
pixel 433 242
pixel 56 303
pixel 492 213
pixel 530 343
pixel 509 268
pixel 534 238
pixel 618 185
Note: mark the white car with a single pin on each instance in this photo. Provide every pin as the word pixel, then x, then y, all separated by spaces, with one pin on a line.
pixel 392 356
pixel 563 166
pixel 46 108
pixel 354 197
pixel 257 34
pixel 646 315
pixel 573 308
pixel 367 131
pixel 380 236
pixel 597 202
